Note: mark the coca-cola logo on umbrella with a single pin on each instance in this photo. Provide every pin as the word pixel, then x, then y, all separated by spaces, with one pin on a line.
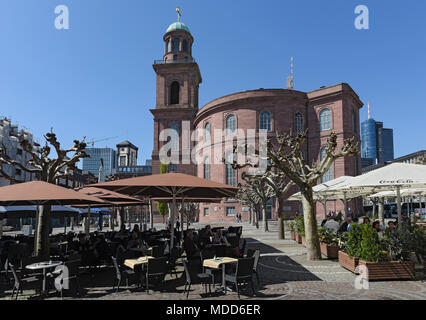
pixel 399 181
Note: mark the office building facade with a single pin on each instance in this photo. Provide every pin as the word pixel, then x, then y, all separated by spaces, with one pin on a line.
pixel 102 161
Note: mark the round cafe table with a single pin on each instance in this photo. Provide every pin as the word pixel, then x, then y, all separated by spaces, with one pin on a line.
pixel 44 266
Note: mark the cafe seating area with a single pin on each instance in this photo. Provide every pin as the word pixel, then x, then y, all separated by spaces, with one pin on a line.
pixel 134 260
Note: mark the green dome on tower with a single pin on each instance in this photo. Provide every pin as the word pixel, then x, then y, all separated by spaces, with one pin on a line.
pixel 178 26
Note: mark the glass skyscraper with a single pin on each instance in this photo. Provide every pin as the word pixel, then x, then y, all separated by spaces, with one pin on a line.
pixel 109 159
pixel 376 142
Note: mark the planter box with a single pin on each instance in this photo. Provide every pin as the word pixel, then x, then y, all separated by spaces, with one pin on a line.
pixel 347 262
pixel 293 235
pixel 330 251
pixel 303 240
pixel 389 270
pixel 298 238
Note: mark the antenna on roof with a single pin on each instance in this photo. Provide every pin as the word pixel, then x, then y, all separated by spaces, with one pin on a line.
pixel 290 80
pixel 369 113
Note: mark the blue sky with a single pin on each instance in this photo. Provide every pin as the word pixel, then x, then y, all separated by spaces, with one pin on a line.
pixel 96 79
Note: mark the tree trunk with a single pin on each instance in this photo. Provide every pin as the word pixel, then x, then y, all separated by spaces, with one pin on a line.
pixel 265 220
pixel 381 211
pixel 281 231
pixel 311 228
pixel 42 244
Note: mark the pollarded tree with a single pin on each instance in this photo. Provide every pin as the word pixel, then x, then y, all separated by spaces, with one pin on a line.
pixel 46 169
pixel 246 196
pixel 262 192
pixel 287 157
pixel 280 186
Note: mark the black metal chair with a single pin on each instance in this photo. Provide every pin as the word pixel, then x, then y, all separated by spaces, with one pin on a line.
pixel 194 276
pixel 173 257
pixel 242 275
pixel 156 268
pixel 157 251
pixel 121 273
pixel 250 253
pixel 23 283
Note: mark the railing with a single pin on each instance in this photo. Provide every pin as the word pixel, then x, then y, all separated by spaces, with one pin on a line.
pixel 189 60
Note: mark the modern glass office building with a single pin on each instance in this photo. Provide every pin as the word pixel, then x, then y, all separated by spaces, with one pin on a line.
pixel 108 156
pixel 376 142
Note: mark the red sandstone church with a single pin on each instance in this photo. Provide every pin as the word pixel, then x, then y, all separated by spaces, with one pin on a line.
pixel 334 108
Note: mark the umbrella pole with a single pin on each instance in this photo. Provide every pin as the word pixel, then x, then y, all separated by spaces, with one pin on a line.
pixel 151 217
pixel 381 211
pixel 88 221
pixel 345 203
pixel 181 219
pixel 172 232
pixel 65 225
pixel 1 228
pixel 398 203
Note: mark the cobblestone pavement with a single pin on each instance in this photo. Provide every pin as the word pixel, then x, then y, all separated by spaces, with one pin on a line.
pixel 284 273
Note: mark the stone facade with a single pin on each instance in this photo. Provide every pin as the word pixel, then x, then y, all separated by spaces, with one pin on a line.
pixel 285 107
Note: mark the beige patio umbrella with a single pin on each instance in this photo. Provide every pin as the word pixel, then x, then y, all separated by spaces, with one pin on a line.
pixel 42 193
pixel 117 199
pixel 172 185
pixel 393 177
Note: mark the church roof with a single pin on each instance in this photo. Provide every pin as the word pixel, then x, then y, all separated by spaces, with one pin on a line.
pixel 178 26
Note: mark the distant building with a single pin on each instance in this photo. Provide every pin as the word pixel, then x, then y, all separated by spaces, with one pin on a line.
pixel 135 171
pixel 10 137
pixel 102 161
pixel 418 157
pixel 77 179
pixel 376 142
pixel 127 154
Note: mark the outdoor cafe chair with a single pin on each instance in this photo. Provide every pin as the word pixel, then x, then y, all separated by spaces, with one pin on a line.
pixel 157 251
pixel 23 283
pixel 173 257
pixel 121 273
pixel 193 276
pixel 243 274
pixel 157 268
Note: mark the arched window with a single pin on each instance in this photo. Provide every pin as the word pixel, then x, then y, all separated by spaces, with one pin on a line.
pixel 175 44
pixel 174 93
pixel 299 123
pixel 207 135
pixel 185 46
pixel 169 46
pixel 175 142
pixel 206 168
pixel 230 172
pixel 329 174
pixel 230 124
pixel 265 121
pixel 325 120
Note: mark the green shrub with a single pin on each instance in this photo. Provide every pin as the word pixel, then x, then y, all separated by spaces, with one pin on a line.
pixel 292 226
pixel 327 236
pixel 370 245
pixel 300 225
pixel 352 241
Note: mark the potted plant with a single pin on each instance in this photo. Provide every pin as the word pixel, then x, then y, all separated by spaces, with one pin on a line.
pixel 350 245
pixel 329 243
pixel 395 263
pixel 292 227
pixel 300 227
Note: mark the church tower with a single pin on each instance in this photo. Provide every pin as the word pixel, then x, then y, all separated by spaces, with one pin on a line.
pixel 178 79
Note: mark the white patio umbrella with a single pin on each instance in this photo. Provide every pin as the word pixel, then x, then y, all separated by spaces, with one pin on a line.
pixel 331 190
pixel 393 177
